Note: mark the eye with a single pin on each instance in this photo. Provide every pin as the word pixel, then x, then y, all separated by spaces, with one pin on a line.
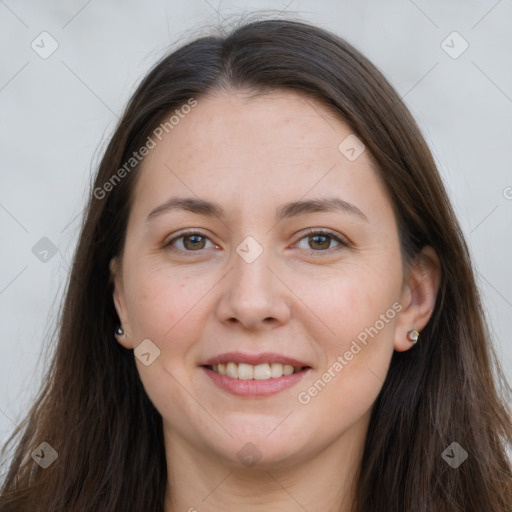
pixel 194 241
pixel 190 241
pixel 320 241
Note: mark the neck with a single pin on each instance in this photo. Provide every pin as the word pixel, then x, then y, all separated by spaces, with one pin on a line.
pixel 324 482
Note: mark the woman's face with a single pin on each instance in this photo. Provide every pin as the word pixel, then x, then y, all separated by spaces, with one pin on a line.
pixel 294 261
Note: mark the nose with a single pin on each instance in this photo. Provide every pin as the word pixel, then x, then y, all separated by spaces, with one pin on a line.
pixel 253 296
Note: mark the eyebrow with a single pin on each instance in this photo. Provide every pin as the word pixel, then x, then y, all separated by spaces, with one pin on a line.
pixel 288 210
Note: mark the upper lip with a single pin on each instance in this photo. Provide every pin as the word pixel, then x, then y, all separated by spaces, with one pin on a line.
pixel 254 359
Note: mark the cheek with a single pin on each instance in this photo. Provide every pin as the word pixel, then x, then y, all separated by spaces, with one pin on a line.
pixel 356 358
pixel 161 305
pixel 170 307
pixel 164 307
pixel 366 307
pixel 353 299
pixel 360 310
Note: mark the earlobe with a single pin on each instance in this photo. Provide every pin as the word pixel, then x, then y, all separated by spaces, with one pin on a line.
pixel 121 333
pixel 122 338
pixel 418 299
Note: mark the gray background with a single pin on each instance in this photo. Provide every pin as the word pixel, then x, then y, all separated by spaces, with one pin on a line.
pixel 58 112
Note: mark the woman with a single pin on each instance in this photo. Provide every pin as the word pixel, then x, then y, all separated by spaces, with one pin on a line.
pixel 271 305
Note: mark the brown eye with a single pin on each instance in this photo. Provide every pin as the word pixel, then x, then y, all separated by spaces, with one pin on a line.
pixel 320 241
pixel 193 242
pixel 188 242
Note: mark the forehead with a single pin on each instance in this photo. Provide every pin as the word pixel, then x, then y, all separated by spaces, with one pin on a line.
pixel 285 127
pixel 244 147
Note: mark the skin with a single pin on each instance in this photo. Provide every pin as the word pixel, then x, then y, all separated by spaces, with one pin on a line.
pixel 304 297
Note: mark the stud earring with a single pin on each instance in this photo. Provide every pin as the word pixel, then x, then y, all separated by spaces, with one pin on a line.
pixel 413 336
pixel 120 331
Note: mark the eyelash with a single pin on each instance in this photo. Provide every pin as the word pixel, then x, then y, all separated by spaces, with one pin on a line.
pixel 308 234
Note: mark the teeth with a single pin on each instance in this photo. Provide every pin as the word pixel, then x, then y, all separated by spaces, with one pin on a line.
pixel 276 370
pixel 232 370
pixel 262 371
pixel 245 371
pixel 287 369
pixel 259 372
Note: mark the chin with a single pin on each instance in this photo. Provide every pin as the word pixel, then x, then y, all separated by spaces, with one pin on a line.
pixel 261 452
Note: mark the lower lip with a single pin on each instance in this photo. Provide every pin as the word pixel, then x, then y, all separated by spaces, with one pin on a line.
pixel 255 387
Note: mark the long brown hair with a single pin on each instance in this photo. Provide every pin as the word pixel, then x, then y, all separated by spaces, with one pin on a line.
pixel 93 409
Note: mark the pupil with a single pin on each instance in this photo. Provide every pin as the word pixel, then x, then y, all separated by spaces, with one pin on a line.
pixel 194 240
pixel 326 240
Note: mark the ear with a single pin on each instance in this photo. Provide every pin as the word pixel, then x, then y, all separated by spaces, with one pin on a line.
pixel 418 299
pixel 120 303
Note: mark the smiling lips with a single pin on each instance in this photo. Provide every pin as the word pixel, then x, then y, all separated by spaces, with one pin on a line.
pixel 254 375
pixel 258 372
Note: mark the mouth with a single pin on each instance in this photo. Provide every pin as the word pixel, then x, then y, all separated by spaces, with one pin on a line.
pixel 262 371
pixel 254 375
